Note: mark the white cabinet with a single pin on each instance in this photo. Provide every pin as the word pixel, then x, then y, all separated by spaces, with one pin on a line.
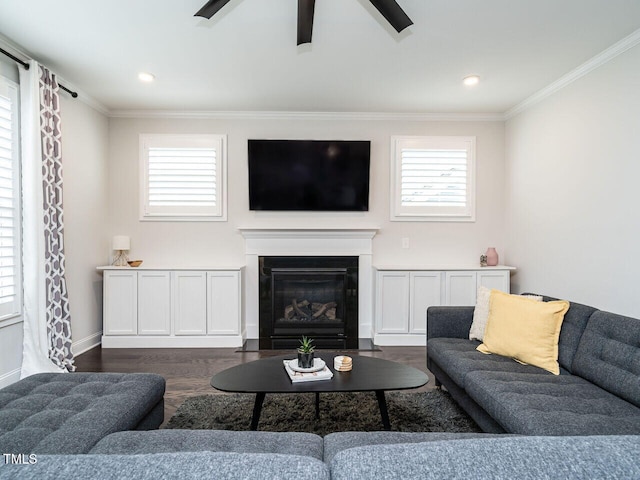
pixel 120 303
pixel 224 303
pixel 154 303
pixel 461 288
pixel 426 290
pixel 403 297
pixel 392 302
pixel 147 308
pixel 401 300
pixel 190 303
pixel 494 279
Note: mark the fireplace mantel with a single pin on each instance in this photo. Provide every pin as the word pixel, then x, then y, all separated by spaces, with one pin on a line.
pixel 308 232
pixel 310 242
pixel 307 241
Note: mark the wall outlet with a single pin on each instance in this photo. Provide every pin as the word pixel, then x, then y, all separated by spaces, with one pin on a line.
pixel 405 243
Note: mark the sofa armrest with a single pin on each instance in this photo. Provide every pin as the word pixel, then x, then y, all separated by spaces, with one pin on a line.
pixel 449 322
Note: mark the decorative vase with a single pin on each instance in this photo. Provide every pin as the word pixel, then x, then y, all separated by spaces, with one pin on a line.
pixel 305 360
pixel 492 257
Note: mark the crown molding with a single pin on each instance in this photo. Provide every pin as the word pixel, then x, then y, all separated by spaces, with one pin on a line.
pixel 291 115
pixel 595 62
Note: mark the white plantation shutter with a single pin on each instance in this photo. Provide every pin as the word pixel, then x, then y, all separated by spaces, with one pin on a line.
pixel 10 244
pixel 433 178
pixel 183 176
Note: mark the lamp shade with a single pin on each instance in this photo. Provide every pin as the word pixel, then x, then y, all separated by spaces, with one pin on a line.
pixel 121 242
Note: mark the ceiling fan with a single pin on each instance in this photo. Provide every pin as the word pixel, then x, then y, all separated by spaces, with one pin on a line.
pixel 389 9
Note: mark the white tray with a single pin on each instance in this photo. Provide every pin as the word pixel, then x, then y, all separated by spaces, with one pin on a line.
pixel 318 364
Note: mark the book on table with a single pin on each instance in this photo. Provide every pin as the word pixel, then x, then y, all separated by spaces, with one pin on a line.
pixel 296 377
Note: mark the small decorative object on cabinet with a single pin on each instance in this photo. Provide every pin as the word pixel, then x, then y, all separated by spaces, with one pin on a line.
pixel 134 263
pixel 483 260
pixel 492 257
pixel 305 353
pixel 121 244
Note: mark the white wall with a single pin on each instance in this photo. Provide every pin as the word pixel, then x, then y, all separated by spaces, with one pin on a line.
pixel 573 167
pixel 219 243
pixel 84 155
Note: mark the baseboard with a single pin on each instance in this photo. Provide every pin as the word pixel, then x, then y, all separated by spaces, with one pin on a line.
pixel 400 340
pixel 9 378
pixel 87 343
pixel 149 341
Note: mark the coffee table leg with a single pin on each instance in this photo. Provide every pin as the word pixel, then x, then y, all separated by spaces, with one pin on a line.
pixel 317 405
pixel 384 413
pixel 257 408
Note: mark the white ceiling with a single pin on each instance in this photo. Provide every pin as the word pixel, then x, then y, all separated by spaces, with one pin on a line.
pixel 246 59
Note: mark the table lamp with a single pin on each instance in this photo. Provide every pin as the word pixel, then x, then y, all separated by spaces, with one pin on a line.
pixel 121 244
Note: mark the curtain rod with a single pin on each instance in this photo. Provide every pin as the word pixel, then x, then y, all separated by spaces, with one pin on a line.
pixel 26 66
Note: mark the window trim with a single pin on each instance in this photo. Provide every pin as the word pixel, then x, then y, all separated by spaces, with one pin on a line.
pixel 399 213
pixel 220 144
pixel 17 315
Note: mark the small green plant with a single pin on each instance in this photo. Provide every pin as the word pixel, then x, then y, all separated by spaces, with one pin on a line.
pixel 306 345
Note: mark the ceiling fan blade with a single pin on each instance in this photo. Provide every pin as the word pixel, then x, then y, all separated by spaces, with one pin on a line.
pixel 305 20
pixel 211 8
pixel 393 13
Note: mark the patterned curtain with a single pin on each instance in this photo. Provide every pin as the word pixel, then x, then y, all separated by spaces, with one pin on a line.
pixel 57 300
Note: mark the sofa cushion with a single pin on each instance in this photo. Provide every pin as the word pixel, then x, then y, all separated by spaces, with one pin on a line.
pixel 524 329
pixel 481 312
pixel 609 354
pixel 69 413
pixel 532 404
pixel 189 465
pixel 458 357
pixel 337 442
pixel 165 441
pixel 573 325
pixel 522 458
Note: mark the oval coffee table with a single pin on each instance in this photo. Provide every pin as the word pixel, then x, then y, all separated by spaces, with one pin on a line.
pixel 368 375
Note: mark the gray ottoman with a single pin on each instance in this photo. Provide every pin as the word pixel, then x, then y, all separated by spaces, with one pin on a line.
pixel 56 413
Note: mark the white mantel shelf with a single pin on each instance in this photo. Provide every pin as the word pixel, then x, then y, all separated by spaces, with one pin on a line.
pixel 253 233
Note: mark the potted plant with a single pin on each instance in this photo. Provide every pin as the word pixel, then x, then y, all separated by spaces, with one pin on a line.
pixel 305 352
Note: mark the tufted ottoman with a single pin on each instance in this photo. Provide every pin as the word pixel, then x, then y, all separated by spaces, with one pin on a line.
pixel 69 413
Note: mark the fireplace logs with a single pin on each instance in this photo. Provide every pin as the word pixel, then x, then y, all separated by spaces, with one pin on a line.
pixel 305 311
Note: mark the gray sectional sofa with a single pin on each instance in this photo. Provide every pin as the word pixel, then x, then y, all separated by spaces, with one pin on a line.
pixel 596 393
pixel 583 424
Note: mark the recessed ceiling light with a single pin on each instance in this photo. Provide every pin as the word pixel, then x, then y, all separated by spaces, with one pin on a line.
pixel 146 77
pixel 471 80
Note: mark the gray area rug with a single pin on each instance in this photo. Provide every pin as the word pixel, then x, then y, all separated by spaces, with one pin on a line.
pixel 430 411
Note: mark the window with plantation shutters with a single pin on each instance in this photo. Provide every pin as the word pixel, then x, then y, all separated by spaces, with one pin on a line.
pixel 433 179
pixel 10 214
pixel 184 177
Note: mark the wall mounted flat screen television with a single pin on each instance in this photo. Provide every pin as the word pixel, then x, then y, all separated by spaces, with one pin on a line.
pixel 309 175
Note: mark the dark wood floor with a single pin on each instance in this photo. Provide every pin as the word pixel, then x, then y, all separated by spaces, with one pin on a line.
pixel 189 370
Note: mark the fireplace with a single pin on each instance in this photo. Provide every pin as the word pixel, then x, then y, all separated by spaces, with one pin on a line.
pixel 316 296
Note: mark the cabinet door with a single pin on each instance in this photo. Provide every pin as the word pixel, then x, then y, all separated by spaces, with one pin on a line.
pixel 426 291
pixel 499 280
pixel 154 303
pixel 120 309
pixel 189 303
pixel 461 288
pixel 223 307
pixel 392 303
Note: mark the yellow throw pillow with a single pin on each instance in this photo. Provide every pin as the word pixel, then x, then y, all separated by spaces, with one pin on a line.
pixel 524 329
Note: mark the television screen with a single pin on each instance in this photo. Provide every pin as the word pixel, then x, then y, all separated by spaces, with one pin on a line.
pixel 313 175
